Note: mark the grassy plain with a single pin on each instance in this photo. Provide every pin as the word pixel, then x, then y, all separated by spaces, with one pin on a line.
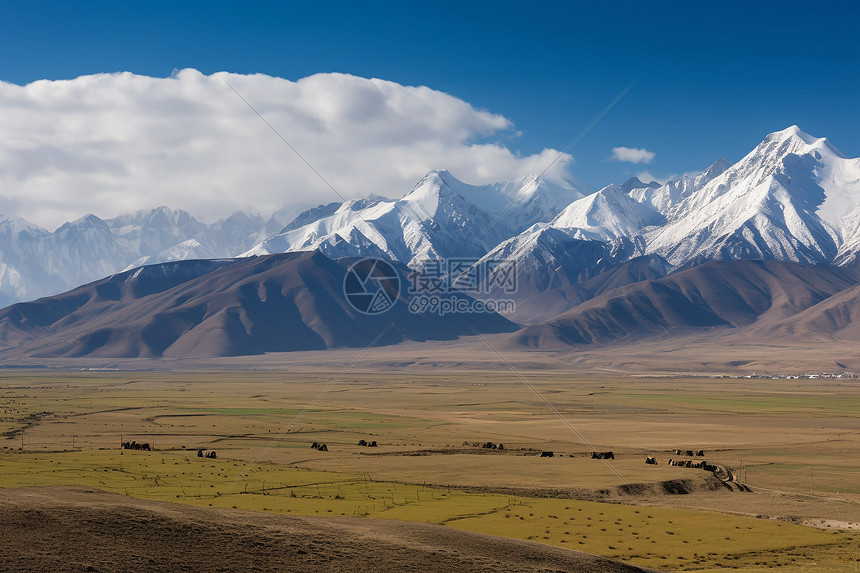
pixel 795 443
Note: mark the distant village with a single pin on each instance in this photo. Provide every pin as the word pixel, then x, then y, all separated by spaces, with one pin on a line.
pixel 810 376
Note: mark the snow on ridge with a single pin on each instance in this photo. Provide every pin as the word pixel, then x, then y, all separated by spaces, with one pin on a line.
pixel 609 214
pixel 440 216
pixel 775 203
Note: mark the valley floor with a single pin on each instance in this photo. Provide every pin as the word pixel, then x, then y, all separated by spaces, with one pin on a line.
pixel 786 494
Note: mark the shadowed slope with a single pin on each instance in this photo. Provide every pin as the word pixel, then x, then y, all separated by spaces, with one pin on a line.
pixel 835 317
pixel 273 303
pixel 716 294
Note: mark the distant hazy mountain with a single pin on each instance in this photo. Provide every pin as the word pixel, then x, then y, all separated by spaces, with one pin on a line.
pixel 36 262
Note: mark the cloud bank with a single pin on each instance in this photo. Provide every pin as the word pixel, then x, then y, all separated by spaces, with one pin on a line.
pixel 632 154
pixel 113 143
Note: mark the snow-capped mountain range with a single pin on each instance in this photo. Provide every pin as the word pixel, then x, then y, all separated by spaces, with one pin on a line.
pixel 792 198
pixel 441 217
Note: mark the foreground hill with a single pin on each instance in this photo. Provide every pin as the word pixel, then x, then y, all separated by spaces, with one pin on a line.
pixel 729 294
pixel 276 303
pixel 63 529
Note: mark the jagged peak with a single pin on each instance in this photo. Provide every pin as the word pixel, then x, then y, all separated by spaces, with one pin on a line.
pixel 18 224
pixel 636 183
pixel 436 175
pixel 799 141
pixel 716 168
pixel 88 219
pixel 793 131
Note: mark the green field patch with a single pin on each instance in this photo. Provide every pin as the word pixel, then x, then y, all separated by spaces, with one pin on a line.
pixel 748 403
pixel 336 419
pixel 251 411
pixel 652 536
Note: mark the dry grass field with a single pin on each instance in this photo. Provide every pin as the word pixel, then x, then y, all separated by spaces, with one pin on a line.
pixel 794 443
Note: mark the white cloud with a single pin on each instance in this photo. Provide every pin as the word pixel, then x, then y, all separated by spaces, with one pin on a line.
pixel 647 177
pixel 632 154
pixel 112 143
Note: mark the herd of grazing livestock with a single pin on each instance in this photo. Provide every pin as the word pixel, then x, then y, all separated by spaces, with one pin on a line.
pixel 135 446
pixel 652 461
pixel 595 455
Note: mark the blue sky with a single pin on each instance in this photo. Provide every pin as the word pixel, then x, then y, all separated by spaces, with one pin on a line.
pixel 711 79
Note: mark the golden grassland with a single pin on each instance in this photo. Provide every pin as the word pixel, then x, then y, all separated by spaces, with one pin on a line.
pixel 65 429
pixel 651 536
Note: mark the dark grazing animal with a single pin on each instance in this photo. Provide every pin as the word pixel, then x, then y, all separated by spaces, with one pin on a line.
pixel 135 446
pixel 546 454
pixel 602 456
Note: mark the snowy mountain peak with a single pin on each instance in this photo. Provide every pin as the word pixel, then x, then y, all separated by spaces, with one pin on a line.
pixel 665 197
pixel 161 216
pixel 794 140
pixel 432 182
pixel 636 183
pixel 88 221
pixel 716 169
pixel 790 198
pixel 607 215
pixel 790 132
pixel 16 225
pixel 440 216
